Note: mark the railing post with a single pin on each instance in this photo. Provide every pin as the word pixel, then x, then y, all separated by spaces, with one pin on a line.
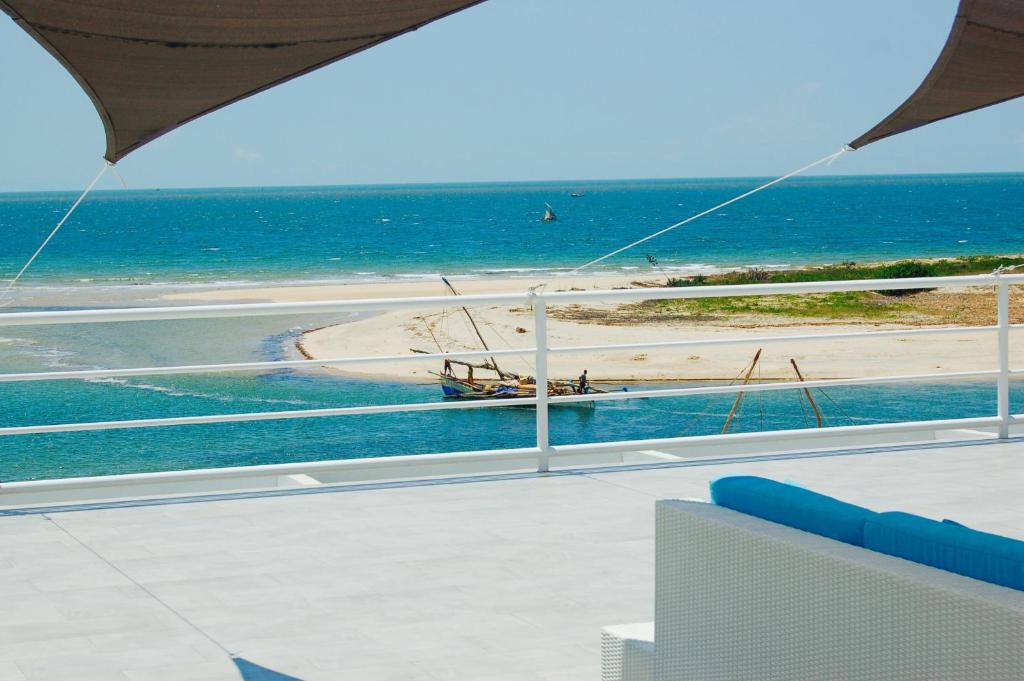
pixel 1003 382
pixel 540 318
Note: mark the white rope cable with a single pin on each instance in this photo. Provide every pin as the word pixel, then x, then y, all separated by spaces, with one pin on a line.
pixel 828 159
pixel 119 175
pixel 4 301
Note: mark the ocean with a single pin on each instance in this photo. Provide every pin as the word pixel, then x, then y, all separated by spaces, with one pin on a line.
pixel 129 247
pixel 370 233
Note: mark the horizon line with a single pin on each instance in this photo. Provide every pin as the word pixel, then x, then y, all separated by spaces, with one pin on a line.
pixel 448 183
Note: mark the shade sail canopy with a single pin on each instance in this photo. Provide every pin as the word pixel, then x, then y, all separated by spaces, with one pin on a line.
pixel 153 65
pixel 981 64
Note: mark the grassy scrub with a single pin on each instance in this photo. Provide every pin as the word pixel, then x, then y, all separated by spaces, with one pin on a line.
pixel 925 306
pixel 840 305
pixel 904 269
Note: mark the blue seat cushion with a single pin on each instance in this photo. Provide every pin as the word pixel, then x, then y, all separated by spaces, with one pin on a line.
pixel 793 506
pixel 948 546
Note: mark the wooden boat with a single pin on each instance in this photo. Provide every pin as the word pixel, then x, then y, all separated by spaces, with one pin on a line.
pixel 504 384
pixel 549 214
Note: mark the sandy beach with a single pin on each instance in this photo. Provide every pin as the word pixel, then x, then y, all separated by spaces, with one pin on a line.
pixel 401 332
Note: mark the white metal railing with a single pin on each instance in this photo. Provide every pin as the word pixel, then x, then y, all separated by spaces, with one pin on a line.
pixel 540 300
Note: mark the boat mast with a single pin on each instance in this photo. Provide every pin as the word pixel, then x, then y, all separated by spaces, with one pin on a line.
pixel 814 407
pixel 472 322
pixel 739 396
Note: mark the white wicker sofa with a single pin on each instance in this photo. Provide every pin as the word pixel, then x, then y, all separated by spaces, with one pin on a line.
pixel 741 598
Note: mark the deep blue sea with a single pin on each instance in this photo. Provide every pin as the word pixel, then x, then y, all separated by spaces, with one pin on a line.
pixel 342 233
pixel 128 246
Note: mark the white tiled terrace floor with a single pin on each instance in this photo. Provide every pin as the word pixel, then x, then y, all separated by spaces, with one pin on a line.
pixel 488 579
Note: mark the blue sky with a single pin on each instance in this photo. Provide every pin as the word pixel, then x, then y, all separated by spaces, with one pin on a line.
pixel 546 89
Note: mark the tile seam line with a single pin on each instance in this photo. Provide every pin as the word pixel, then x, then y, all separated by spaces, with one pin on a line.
pixel 167 606
pixel 605 480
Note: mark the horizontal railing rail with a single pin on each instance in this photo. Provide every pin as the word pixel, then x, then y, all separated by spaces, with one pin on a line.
pixel 230 367
pixel 152 314
pixel 86 374
pixel 540 300
pixel 780 385
pixel 669 443
pixel 284 414
pixel 139 314
pixel 740 290
pixel 764 340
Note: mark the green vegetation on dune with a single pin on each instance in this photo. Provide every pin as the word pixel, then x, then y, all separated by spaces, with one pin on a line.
pixel 840 305
pixel 883 305
pixel 970 264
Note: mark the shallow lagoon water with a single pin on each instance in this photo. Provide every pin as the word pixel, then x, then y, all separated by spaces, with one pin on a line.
pixel 237 444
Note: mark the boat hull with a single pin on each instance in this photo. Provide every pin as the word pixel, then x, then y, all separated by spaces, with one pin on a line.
pixel 452 387
pixel 457 389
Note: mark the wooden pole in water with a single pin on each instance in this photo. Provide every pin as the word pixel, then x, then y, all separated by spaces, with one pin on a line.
pixel 814 407
pixel 739 396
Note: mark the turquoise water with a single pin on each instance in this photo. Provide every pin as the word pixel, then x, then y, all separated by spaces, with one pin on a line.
pixel 204 236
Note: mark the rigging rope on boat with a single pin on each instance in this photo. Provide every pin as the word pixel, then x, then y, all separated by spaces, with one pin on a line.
pixel 423 319
pixel 5 299
pixel 803 410
pixel 737 415
pixel 836 405
pixel 760 399
pixel 825 160
pixel 494 329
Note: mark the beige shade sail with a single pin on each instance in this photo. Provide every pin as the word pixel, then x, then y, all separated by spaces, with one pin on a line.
pixel 981 64
pixel 150 66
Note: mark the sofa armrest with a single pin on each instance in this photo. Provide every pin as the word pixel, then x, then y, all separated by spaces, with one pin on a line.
pixel 627 652
pixel 739 598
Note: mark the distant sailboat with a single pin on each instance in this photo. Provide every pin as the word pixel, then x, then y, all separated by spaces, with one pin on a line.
pixel 549 214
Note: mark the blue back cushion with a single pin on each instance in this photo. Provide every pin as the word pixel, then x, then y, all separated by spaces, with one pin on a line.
pixel 948 546
pixel 793 506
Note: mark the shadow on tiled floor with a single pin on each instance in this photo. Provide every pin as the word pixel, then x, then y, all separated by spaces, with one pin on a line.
pixel 254 672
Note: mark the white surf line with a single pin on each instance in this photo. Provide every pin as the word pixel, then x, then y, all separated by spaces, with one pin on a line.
pixel 4 299
pixel 827 159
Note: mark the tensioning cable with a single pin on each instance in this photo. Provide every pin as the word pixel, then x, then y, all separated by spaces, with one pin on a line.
pixel 5 299
pixel 826 160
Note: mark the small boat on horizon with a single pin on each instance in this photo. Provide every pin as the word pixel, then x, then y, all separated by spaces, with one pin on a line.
pixel 549 214
pixel 578 194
